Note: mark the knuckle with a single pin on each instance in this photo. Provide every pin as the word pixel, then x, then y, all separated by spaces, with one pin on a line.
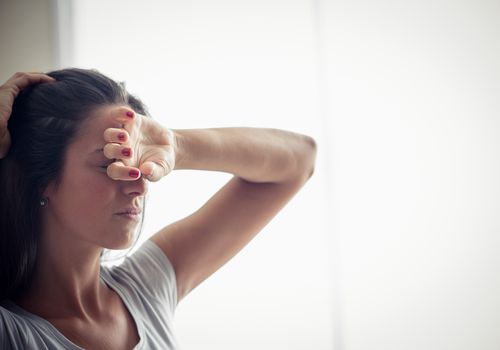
pixel 112 171
pixel 10 89
pixel 107 135
pixel 3 123
pixel 108 150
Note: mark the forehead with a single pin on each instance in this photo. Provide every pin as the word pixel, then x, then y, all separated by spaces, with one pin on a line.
pixel 91 132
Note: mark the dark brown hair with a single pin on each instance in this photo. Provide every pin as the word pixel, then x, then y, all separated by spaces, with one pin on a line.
pixel 44 121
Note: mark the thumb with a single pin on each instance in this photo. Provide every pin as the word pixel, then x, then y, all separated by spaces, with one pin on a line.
pixel 151 171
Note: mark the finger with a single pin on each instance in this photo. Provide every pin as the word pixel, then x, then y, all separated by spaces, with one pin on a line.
pixel 119 171
pixel 116 135
pixel 124 115
pixel 117 151
pixel 153 171
pixel 19 81
pixel 150 170
pixel 4 144
pixel 4 122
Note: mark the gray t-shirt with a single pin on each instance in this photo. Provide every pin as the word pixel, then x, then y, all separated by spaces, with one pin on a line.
pixel 146 283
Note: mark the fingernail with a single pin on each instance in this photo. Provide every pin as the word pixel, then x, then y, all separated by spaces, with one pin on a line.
pixel 121 136
pixel 130 114
pixel 133 173
pixel 126 152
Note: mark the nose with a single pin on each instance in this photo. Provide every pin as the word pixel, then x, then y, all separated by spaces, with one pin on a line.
pixel 136 188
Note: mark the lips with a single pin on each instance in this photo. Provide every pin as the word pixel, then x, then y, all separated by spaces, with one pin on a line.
pixel 130 211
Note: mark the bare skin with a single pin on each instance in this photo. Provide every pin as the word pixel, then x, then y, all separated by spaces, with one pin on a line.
pixel 269 168
pixel 79 221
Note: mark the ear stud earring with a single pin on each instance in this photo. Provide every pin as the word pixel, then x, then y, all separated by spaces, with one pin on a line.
pixel 44 201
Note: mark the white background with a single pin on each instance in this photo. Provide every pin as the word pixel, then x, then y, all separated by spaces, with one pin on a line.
pixel 393 244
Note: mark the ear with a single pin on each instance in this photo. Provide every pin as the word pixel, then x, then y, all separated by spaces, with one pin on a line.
pixel 49 190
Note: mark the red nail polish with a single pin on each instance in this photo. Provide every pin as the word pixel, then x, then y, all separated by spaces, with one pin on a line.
pixel 126 152
pixel 133 173
pixel 121 136
pixel 130 114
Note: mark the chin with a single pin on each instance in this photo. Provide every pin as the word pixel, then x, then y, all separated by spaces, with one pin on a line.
pixel 126 241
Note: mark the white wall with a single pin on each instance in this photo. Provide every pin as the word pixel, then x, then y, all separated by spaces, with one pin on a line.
pixel 414 101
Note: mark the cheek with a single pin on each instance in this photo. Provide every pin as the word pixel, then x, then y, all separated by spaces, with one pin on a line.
pixel 91 195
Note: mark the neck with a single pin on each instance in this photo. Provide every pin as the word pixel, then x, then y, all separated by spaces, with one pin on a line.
pixel 66 281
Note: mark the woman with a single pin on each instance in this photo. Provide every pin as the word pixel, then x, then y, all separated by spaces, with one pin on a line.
pixel 78 152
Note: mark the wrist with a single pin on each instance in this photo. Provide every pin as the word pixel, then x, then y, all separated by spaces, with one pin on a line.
pixel 177 146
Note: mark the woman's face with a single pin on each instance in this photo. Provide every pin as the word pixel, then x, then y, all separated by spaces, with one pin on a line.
pixel 86 203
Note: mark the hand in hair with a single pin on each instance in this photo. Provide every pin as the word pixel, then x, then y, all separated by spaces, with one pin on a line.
pixel 150 145
pixel 8 92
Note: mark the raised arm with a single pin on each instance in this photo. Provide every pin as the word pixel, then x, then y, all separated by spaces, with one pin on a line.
pixel 269 167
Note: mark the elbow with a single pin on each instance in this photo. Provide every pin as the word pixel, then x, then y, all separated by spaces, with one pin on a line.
pixel 312 146
pixel 306 163
pixel 299 163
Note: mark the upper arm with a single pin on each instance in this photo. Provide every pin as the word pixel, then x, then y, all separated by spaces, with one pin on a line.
pixel 199 244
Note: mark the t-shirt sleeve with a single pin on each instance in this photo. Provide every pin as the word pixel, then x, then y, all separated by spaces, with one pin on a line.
pixel 11 337
pixel 152 273
pixel 4 341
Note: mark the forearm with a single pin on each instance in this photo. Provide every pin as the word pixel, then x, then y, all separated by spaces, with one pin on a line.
pixel 254 154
